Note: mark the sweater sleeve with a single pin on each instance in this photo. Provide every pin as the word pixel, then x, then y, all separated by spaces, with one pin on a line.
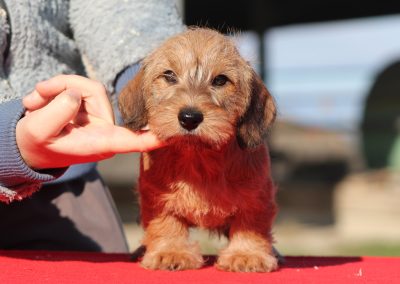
pixel 121 81
pixel 114 34
pixel 17 179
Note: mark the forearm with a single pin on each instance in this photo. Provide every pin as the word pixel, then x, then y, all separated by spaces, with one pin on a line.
pixel 17 179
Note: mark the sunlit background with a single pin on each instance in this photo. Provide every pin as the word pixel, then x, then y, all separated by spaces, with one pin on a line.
pixel 334 70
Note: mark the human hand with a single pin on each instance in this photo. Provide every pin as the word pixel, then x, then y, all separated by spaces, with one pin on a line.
pixel 69 120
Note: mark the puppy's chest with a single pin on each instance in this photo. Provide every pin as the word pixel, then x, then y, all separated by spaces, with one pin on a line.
pixel 203 207
pixel 204 187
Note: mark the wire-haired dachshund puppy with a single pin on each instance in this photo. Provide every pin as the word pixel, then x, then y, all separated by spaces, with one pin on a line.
pixel 200 96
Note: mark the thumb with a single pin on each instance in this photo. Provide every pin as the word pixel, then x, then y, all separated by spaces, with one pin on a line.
pixel 51 119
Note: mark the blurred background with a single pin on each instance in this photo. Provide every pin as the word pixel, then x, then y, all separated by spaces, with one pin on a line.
pixel 334 70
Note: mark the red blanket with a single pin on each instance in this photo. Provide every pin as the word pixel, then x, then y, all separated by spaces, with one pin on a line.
pixel 30 267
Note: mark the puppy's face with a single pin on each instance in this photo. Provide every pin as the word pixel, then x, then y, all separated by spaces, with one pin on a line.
pixel 197 87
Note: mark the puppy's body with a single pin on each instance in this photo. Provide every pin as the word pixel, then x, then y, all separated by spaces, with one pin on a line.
pixel 206 187
pixel 196 92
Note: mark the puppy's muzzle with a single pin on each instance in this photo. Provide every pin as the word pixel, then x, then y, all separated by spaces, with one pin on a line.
pixel 190 118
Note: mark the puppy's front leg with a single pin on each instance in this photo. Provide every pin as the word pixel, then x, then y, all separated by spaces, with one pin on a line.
pixel 168 247
pixel 249 249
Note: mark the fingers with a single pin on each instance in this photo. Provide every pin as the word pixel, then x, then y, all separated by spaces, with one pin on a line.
pixel 57 84
pixel 93 93
pixel 50 120
pixel 35 101
pixel 124 140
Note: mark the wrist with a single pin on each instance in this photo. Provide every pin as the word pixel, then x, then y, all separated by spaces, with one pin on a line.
pixel 14 171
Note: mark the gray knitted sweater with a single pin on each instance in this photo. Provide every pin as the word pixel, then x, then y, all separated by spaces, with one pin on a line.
pixel 42 38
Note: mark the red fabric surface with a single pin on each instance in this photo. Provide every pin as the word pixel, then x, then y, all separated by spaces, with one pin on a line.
pixel 65 267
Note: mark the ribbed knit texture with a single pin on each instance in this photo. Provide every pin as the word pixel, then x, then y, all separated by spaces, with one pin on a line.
pixel 112 35
pixel 17 180
pixel 122 80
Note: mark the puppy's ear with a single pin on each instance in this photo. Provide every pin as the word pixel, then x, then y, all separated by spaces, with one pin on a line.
pixel 132 103
pixel 253 126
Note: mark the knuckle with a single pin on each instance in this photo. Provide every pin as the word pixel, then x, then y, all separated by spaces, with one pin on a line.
pixel 67 100
pixel 66 103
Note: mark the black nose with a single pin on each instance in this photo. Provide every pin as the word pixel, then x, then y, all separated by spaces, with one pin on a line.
pixel 190 118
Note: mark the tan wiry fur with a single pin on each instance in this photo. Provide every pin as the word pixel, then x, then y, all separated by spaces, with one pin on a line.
pixel 216 176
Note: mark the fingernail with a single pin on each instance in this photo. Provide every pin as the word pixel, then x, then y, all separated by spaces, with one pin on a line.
pixel 145 128
pixel 30 94
pixel 29 97
pixel 42 82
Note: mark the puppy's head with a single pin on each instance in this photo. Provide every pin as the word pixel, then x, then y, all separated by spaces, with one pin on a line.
pixel 196 86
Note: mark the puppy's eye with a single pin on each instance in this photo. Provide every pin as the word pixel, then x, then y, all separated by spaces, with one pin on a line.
pixel 170 77
pixel 220 80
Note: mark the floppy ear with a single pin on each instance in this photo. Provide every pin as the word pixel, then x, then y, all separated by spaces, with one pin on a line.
pixel 253 126
pixel 132 104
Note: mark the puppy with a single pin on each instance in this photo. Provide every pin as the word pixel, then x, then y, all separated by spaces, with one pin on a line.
pixel 196 93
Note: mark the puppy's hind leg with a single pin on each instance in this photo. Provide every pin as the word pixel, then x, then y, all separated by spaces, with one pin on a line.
pixel 168 246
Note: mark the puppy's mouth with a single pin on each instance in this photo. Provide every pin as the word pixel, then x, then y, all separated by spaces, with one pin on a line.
pixel 190 120
pixel 190 141
pixel 190 133
pixel 191 127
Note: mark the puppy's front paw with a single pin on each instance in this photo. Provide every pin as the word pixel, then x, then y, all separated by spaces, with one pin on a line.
pixel 247 262
pixel 172 260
